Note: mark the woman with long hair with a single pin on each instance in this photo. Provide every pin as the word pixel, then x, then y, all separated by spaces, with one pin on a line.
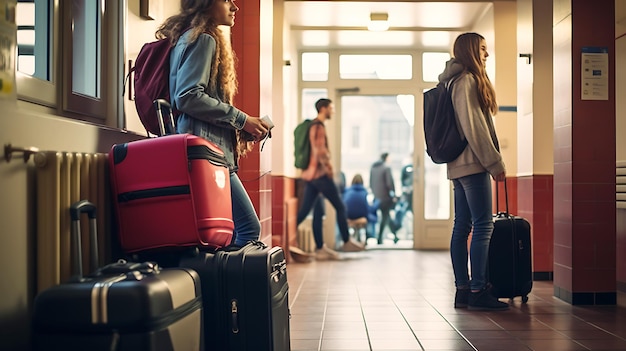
pixel 474 100
pixel 203 83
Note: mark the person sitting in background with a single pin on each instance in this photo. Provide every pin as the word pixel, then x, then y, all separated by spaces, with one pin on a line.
pixel 357 205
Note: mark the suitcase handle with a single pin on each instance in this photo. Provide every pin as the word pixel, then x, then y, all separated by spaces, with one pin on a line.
pixel 506 200
pixel 161 106
pixel 124 267
pixel 76 209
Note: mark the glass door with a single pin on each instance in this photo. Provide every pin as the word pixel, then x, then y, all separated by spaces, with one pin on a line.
pixel 372 124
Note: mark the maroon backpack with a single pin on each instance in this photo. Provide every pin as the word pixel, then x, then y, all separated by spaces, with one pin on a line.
pixel 152 70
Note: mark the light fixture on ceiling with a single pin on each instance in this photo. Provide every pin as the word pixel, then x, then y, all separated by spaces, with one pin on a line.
pixel 379 22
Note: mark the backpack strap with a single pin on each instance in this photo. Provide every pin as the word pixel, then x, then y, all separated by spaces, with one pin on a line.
pixel 127 80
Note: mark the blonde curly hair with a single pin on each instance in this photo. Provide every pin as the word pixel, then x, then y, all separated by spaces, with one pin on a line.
pixel 197 16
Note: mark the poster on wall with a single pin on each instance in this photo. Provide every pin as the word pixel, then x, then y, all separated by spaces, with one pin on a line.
pixel 595 73
pixel 8 43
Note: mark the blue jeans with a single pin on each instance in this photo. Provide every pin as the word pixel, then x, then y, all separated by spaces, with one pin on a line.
pixel 472 212
pixel 311 198
pixel 247 225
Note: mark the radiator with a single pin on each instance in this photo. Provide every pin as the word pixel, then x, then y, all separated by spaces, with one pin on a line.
pixel 620 184
pixel 304 236
pixel 61 179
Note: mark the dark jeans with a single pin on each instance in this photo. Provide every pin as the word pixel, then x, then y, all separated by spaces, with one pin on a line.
pixel 318 221
pixel 385 219
pixel 311 198
pixel 472 212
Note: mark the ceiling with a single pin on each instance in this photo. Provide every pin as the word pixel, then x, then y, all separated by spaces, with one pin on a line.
pixel 332 24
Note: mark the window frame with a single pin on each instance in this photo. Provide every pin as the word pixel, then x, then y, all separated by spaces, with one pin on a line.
pixel 58 93
pixel 73 101
pixel 39 91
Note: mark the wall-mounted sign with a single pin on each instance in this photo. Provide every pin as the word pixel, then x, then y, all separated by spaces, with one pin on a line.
pixel 595 73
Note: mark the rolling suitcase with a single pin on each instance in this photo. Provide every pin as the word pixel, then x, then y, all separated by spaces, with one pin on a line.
pixel 123 306
pixel 245 297
pixel 510 258
pixel 171 191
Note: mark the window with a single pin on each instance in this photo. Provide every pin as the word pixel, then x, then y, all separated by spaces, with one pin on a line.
pixel 77 34
pixel 86 48
pixel 309 97
pixel 371 125
pixel 375 67
pixel 85 65
pixel 356 137
pixel 315 66
pixel 35 43
pixel 433 63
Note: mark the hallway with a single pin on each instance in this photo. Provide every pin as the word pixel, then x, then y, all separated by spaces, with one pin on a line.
pixel 402 300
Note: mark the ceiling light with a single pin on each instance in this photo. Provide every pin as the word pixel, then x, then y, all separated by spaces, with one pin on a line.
pixel 378 22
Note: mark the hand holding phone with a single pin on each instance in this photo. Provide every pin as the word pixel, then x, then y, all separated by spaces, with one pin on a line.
pixel 267 120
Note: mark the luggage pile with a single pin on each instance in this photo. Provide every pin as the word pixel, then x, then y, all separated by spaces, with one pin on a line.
pixel 182 286
pixel 122 306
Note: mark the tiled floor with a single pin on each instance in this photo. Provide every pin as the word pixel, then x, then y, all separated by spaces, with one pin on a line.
pixel 402 300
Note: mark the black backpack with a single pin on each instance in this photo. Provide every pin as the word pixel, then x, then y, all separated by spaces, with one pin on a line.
pixel 444 142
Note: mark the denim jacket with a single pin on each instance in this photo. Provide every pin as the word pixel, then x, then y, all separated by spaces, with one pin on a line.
pixel 203 113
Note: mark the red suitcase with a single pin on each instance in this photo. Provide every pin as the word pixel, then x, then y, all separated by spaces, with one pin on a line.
pixel 171 191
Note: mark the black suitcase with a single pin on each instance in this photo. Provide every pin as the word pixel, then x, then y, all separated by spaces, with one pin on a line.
pixel 510 258
pixel 245 297
pixel 123 306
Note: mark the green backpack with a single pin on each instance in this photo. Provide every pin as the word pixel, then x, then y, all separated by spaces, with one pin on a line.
pixel 302 144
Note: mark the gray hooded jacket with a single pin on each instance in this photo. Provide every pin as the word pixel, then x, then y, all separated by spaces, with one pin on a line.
pixel 482 152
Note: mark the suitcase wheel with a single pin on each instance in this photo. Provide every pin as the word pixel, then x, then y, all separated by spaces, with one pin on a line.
pixel 524 298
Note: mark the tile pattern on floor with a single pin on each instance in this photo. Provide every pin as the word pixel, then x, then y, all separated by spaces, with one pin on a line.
pixel 385 300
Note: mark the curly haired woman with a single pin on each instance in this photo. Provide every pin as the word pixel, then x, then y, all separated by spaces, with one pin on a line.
pixel 203 83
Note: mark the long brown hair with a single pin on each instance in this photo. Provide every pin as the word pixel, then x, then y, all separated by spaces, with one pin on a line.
pixel 467 52
pixel 197 16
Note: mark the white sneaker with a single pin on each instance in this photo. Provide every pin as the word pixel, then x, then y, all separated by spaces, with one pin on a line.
pixel 326 254
pixel 352 246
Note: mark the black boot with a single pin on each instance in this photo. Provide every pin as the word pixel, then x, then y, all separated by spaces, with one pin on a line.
pixel 461 298
pixel 483 300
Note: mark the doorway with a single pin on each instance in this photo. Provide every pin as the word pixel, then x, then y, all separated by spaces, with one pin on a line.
pixel 375 123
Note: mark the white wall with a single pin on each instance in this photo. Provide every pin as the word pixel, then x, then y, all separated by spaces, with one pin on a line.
pixel 141 31
pixel 535 91
pixel 498 26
